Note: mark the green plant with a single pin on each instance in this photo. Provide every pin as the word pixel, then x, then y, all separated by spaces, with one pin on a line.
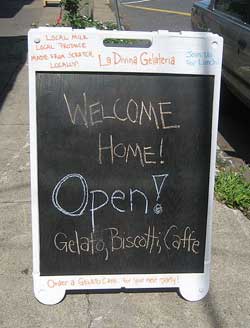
pixel 74 18
pixel 232 189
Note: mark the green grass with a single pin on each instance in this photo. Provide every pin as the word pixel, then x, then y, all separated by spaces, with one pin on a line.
pixel 233 190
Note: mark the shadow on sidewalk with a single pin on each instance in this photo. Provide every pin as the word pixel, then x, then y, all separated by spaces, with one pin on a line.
pixel 9 8
pixel 234 126
pixel 13 53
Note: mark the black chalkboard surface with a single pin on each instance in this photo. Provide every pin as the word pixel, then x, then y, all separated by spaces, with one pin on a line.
pixel 123 172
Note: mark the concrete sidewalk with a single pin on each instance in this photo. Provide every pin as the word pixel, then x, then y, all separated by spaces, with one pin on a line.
pixel 102 11
pixel 226 305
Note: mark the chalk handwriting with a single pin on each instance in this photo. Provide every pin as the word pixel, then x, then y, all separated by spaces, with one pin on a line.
pixel 151 242
pixel 158 186
pixel 158 209
pixel 131 111
pixel 111 151
pixel 120 201
pixel 159 180
pixel 84 203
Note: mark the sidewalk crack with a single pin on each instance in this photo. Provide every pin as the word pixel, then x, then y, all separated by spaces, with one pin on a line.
pixel 90 316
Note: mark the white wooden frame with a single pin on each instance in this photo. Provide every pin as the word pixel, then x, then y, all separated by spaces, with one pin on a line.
pixel 45 50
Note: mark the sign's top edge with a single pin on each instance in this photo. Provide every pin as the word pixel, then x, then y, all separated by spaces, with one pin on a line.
pixel 131 34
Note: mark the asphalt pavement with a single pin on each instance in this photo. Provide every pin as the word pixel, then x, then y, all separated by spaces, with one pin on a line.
pixel 227 303
pixel 153 15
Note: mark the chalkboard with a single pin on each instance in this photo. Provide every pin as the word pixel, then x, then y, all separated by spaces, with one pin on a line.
pixel 123 151
pixel 123 172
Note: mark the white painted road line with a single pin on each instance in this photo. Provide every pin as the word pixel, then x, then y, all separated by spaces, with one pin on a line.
pixel 134 2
